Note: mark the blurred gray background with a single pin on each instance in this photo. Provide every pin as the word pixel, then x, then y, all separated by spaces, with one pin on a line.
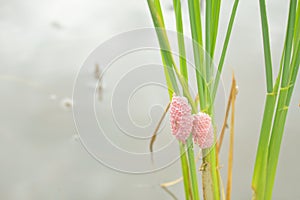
pixel 43 45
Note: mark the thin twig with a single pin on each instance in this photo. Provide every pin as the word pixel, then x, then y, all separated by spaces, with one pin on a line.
pixel 170 193
pixel 168 184
pixel 232 93
pixel 231 142
pixel 171 183
pixel 153 138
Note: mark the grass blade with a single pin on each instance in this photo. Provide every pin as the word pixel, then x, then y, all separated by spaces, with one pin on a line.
pixel 294 70
pixel 158 21
pixel 282 107
pixel 216 5
pixel 224 50
pixel 157 17
pixel 196 29
pixel 208 39
pixel 180 37
pixel 266 42
pixel 185 172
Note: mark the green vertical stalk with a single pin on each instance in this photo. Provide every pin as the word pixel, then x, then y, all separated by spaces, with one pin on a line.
pixel 196 30
pixel 260 170
pixel 190 148
pixel 192 164
pixel 203 75
pixel 183 69
pixel 294 70
pixel 183 78
pixel 216 4
pixel 282 107
pixel 258 180
pixel 276 139
pixel 180 38
pixel 212 19
pixel 167 77
pixel 272 131
pixel 158 21
pixel 210 177
pixel 185 172
pixel 156 13
pixel 157 16
pixel 297 27
pixel 266 42
pixel 208 39
pixel 224 50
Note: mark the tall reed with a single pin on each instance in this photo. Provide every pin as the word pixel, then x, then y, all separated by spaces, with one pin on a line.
pixel 277 100
pixel 207 81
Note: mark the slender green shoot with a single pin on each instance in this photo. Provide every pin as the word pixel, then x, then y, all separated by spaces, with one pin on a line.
pixel 282 107
pixel 272 129
pixel 158 21
pixel 204 72
pixel 196 30
pixel 180 37
pixel 208 38
pixel 267 48
pixel 224 50
pixel 216 5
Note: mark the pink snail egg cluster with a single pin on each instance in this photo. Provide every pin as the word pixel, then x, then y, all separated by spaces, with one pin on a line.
pixel 203 130
pixel 181 118
pixel 183 123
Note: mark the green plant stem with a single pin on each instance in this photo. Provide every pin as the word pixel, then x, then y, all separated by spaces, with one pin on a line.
pixel 212 24
pixel 196 30
pixel 185 172
pixel 208 39
pixel 297 27
pixel 184 72
pixel 224 50
pixel 260 169
pixel 192 165
pixel 216 4
pixel 180 38
pixel 190 148
pixel 157 17
pixel 296 55
pixel 282 107
pixel 203 75
pixel 167 58
pixel 294 70
pixel 210 174
pixel 167 77
pixel 210 177
pixel 259 175
pixel 266 42
pixel 271 133
pixel 158 21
